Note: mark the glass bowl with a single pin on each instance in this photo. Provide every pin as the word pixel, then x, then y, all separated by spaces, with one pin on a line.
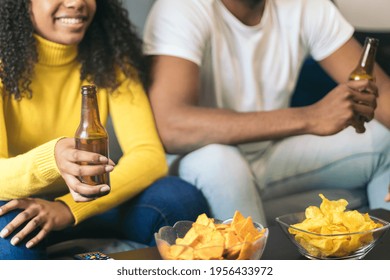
pixel 166 237
pixel 364 240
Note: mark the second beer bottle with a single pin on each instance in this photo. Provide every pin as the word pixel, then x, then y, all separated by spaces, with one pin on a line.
pixel 91 135
pixel 365 71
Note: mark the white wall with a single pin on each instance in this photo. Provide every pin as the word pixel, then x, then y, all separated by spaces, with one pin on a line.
pixel 366 15
pixel 138 10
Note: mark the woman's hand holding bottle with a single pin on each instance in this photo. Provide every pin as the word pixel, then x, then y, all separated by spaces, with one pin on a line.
pixel 69 160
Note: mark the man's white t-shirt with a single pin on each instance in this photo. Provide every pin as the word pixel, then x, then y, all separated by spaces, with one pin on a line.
pixel 246 68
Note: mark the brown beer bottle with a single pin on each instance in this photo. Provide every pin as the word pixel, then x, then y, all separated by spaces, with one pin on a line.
pixel 365 71
pixel 91 135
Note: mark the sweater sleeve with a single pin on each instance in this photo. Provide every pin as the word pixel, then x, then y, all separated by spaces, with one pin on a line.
pixel 28 173
pixel 143 159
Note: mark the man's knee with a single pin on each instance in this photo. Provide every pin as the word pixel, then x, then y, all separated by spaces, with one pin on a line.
pixel 214 160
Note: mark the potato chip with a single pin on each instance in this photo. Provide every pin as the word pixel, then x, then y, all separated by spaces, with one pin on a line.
pixel 233 252
pixel 165 250
pixel 238 221
pixel 331 218
pixel 203 220
pixel 222 227
pixel 313 212
pixel 246 251
pixel 209 253
pixel 182 252
pixel 330 207
pixel 248 227
pixel 189 239
pixel 231 239
pixel 210 241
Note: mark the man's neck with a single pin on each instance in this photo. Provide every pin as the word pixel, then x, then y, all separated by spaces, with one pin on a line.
pixel 249 12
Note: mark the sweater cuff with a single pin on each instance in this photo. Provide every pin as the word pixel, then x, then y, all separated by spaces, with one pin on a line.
pixel 45 161
pixel 80 210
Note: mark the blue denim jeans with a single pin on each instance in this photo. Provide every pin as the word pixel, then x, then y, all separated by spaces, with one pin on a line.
pixel 165 202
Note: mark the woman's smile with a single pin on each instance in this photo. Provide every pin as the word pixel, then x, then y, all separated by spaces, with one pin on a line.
pixel 62 21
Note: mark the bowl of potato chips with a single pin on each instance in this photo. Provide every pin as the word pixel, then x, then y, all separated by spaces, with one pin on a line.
pixel 330 232
pixel 238 238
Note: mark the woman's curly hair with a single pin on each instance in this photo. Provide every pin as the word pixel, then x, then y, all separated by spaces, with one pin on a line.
pixel 110 43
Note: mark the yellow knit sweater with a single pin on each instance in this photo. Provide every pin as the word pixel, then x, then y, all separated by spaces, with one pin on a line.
pixel 30 128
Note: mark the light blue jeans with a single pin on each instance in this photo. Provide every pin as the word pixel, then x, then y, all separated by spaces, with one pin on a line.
pixel 233 181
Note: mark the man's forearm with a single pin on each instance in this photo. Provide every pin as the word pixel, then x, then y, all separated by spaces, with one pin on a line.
pixel 190 128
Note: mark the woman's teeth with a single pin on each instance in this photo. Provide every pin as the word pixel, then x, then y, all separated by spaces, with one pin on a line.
pixel 71 20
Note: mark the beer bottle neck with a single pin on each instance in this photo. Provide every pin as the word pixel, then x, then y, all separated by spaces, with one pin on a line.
pixel 89 109
pixel 367 59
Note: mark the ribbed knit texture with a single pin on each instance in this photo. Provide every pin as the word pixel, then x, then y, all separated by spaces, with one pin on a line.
pixel 30 129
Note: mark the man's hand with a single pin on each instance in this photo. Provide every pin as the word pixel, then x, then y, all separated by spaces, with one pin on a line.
pixel 68 160
pixel 37 214
pixel 347 104
pixel 360 120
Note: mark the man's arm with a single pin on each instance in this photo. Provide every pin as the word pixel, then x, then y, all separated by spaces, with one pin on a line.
pixel 341 63
pixel 184 126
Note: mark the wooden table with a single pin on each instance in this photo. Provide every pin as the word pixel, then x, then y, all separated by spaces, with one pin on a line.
pixel 278 246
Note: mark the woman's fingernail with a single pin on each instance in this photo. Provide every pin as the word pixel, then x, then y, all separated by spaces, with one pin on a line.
pixel 103 159
pixel 29 244
pixel 105 189
pixel 109 168
pixel 15 241
pixel 4 233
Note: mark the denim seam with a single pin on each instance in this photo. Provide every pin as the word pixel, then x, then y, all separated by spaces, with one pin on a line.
pixel 154 208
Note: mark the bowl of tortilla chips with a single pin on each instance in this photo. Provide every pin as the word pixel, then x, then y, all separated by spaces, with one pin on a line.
pixel 331 232
pixel 238 238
